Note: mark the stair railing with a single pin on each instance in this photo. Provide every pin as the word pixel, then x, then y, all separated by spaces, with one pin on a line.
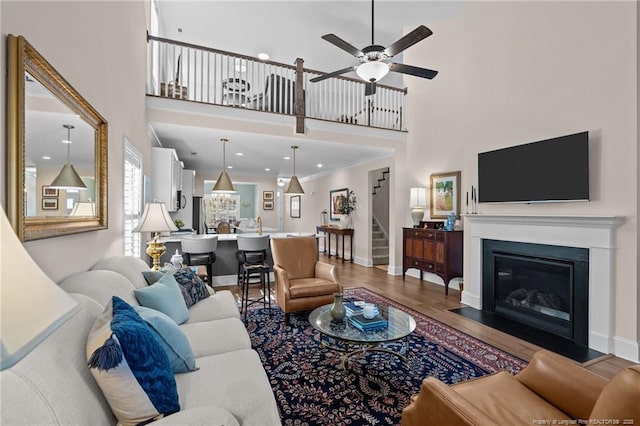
pixel 201 74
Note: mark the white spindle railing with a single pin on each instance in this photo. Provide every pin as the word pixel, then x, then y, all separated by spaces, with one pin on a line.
pixel 223 78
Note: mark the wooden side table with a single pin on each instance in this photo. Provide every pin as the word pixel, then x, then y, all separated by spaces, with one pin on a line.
pixel 433 250
pixel 330 230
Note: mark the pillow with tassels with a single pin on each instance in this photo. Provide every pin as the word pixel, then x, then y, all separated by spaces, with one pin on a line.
pixel 130 366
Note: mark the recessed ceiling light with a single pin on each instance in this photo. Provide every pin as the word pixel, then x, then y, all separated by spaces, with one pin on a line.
pixel 263 56
pixel 179 30
pixel 239 154
pixel 46 157
pixel 267 169
pixel 280 182
pixel 66 141
pixel 229 167
pixel 286 157
pixel 194 153
pixel 319 165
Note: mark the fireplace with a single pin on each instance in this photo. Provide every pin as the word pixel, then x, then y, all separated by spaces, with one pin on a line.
pixel 593 233
pixel 541 286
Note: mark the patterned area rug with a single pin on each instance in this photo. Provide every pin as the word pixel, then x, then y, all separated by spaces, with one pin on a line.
pixel 311 389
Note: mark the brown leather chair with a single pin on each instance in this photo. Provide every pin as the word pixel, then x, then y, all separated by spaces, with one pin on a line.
pixel 302 283
pixel 551 387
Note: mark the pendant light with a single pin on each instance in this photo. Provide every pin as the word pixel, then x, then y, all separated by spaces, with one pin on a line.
pixel 68 178
pixel 294 184
pixel 224 184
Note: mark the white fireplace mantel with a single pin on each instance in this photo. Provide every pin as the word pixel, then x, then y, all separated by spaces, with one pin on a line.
pixel 592 232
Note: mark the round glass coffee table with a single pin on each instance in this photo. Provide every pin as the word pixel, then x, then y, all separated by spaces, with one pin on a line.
pixel 344 337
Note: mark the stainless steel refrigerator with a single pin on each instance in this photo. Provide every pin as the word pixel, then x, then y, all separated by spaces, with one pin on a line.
pixel 197 222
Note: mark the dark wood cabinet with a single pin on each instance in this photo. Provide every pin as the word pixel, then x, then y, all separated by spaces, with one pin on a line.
pixel 432 250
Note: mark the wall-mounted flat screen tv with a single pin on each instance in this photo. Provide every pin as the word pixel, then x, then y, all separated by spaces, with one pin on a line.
pixel 550 170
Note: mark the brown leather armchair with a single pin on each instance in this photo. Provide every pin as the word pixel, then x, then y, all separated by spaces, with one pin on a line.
pixel 552 389
pixel 302 283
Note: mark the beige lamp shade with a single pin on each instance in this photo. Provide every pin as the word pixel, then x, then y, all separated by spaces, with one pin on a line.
pixel 223 184
pixel 418 197
pixel 155 218
pixel 68 178
pixel 26 321
pixel 294 186
pixel 83 208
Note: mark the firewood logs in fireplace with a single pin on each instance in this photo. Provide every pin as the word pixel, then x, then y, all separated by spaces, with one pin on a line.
pixel 528 298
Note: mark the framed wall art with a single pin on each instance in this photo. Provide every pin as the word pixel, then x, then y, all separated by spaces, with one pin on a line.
pixel 267 205
pixel 445 195
pixel 49 192
pixel 267 195
pixel 49 204
pixel 294 206
pixel 334 202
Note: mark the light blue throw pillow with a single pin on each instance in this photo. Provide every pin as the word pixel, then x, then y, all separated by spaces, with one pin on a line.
pixel 164 296
pixel 172 339
pixel 152 276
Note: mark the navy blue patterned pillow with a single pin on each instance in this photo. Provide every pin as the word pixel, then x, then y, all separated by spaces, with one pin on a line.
pixel 193 289
pixel 130 366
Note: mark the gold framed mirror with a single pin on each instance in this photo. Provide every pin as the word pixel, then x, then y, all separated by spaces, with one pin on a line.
pixel 56 153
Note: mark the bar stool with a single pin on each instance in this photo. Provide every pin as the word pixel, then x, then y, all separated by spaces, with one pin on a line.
pixel 200 250
pixel 254 269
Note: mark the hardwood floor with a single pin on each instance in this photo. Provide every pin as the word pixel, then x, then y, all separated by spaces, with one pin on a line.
pixel 429 299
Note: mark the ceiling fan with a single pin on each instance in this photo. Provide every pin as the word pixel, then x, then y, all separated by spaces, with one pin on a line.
pixel 373 66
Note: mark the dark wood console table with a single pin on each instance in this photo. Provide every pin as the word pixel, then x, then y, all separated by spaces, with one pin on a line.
pixel 337 232
pixel 432 250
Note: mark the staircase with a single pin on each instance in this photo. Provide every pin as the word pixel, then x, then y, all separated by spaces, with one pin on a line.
pixel 379 185
pixel 379 238
pixel 379 245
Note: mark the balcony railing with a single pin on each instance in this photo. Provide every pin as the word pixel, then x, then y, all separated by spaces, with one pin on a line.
pixel 201 74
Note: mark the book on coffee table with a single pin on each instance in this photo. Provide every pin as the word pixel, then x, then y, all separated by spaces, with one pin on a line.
pixel 355 308
pixel 365 324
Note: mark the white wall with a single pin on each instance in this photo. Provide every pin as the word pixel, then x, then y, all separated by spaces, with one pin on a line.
pixel 517 72
pixel 99 47
pixel 316 199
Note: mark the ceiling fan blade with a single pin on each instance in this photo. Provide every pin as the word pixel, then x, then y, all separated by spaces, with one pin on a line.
pixel 332 74
pixel 337 41
pixel 409 40
pixel 370 88
pixel 411 70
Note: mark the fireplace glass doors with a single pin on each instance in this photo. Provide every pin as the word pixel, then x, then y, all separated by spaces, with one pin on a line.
pixel 541 286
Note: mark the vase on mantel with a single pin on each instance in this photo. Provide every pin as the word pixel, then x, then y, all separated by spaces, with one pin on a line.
pixel 337 311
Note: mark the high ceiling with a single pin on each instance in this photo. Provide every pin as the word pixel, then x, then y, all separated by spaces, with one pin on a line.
pixel 285 30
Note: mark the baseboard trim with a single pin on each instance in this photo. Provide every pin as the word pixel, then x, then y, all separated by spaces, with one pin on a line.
pixel 394 270
pixel 626 348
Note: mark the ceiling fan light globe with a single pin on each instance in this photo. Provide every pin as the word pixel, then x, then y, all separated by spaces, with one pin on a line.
pixel 372 71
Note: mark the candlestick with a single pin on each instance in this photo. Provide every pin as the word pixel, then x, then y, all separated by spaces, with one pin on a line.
pixel 473 199
pixel 467 202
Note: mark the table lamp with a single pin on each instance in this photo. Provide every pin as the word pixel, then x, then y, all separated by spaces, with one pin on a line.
pixel 84 208
pixel 155 218
pixel 26 321
pixel 418 202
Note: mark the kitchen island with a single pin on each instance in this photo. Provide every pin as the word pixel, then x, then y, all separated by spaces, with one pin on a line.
pixel 225 268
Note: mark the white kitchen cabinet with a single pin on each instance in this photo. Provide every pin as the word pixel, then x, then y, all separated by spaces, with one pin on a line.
pixel 166 177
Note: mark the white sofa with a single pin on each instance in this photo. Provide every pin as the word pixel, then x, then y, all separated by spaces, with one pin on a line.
pixel 52 385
